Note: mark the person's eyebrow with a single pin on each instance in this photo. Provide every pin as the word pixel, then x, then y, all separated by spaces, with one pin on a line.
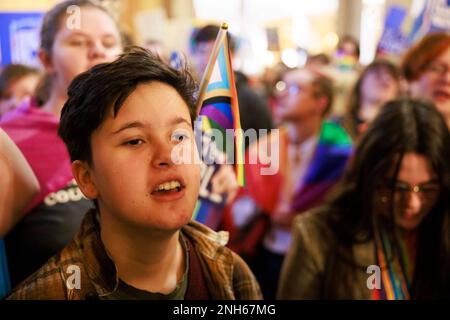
pixel 180 120
pixel 130 125
pixel 139 125
pixel 87 35
pixel 433 180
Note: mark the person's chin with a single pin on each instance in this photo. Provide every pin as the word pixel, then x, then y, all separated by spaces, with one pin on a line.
pixel 172 225
pixel 409 223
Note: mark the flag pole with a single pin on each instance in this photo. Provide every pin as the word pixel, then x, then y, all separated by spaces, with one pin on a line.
pixel 209 67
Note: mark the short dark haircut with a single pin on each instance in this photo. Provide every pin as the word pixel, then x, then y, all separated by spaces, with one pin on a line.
pixel 92 93
pixel 12 73
pixel 209 33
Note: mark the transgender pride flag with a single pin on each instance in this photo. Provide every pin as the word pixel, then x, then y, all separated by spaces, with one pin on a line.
pixel 217 101
pixel 217 106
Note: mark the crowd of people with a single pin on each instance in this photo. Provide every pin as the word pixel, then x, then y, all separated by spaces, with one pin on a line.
pixel 88 180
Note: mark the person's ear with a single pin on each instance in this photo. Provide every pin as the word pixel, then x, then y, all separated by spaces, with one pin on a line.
pixel 46 60
pixel 83 175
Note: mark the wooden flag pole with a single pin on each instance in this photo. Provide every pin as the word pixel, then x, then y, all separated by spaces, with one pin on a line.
pixel 209 67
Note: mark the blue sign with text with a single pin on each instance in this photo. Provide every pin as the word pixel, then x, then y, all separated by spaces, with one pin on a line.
pixel 19 37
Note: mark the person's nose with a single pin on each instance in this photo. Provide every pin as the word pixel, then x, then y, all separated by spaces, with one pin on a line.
pixel 414 201
pixel 162 154
pixel 97 50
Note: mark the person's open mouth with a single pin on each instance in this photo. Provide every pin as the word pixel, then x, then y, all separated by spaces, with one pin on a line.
pixel 172 186
pixel 169 190
pixel 441 95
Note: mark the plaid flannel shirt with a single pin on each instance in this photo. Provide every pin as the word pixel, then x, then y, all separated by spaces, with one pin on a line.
pixel 227 276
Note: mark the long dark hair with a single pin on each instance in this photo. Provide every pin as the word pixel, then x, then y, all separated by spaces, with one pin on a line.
pixel 402 126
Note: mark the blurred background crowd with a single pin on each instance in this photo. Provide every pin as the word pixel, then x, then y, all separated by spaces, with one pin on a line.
pixel 320 71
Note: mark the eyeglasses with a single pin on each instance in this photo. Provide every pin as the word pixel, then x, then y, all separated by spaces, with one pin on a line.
pixel 427 190
pixel 437 68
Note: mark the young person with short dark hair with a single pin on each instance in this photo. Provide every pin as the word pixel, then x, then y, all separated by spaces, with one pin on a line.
pixel 121 123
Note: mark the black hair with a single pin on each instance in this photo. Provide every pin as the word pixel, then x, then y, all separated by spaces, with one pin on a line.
pixel 92 93
pixel 403 125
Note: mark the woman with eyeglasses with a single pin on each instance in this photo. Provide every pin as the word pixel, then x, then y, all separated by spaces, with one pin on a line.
pixel 426 67
pixel 385 234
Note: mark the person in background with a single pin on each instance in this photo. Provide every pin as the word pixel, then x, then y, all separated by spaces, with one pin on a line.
pixel 312 155
pixel 55 214
pixel 138 242
pixel 385 233
pixel 426 67
pixel 344 71
pixel 378 83
pixel 17 85
pixel 271 78
pixel 347 53
pixel 18 185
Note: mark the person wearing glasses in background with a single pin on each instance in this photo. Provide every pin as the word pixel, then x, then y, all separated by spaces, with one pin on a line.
pixel 426 67
pixel 385 234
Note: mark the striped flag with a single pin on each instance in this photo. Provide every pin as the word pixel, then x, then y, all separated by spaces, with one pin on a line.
pixel 217 100
pixel 217 106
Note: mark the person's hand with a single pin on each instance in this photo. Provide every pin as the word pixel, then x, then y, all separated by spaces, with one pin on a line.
pixel 225 181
